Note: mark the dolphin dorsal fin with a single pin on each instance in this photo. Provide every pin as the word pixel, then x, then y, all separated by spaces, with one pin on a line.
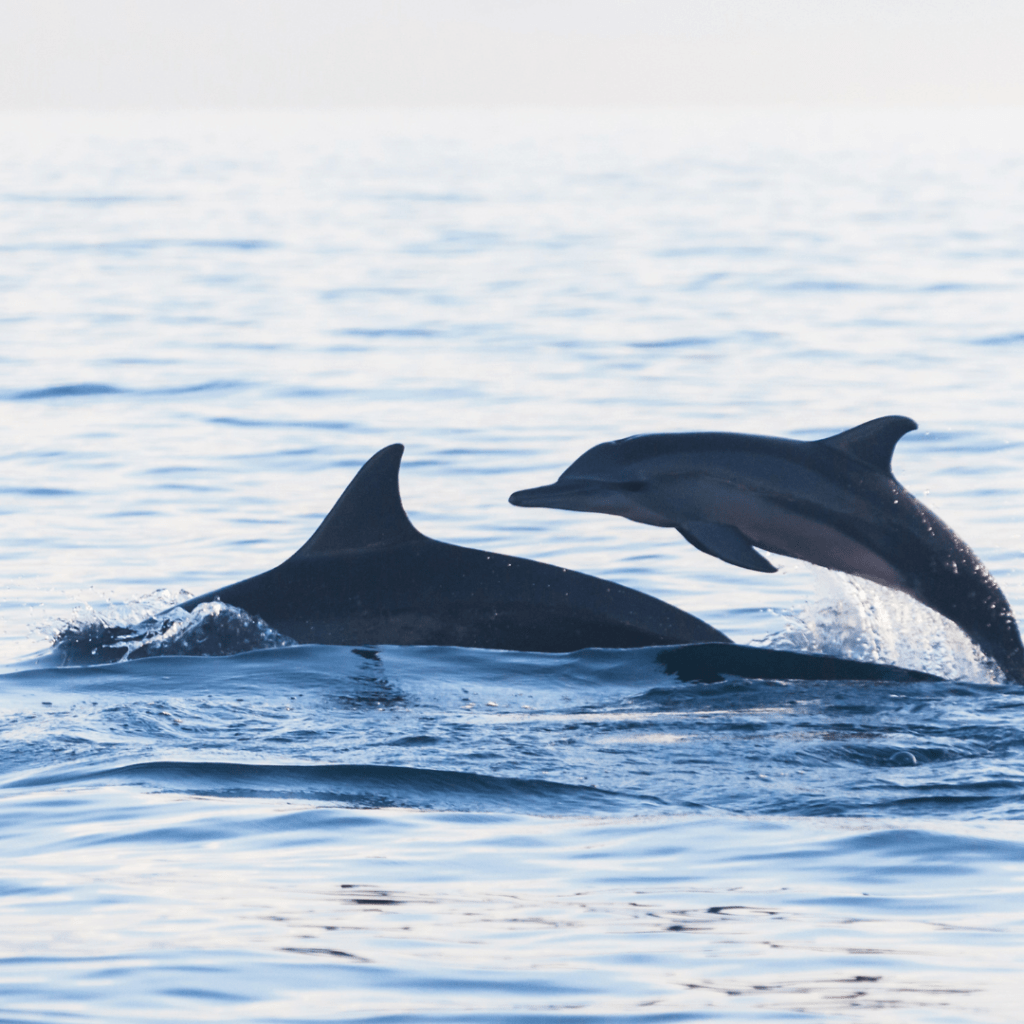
pixel 368 514
pixel 872 442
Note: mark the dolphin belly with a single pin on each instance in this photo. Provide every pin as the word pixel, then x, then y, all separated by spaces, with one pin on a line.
pixel 772 526
pixel 784 532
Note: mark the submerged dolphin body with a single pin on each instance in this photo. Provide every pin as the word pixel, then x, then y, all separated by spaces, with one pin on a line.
pixel 368 576
pixel 833 502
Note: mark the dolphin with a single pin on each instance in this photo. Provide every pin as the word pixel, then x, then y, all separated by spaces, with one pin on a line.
pixel 368 576
pixel 833 502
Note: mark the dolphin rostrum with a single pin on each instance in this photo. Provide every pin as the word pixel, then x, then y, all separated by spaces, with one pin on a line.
pixel 833 502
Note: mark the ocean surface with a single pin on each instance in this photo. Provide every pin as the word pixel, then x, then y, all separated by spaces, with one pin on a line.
pixel 209 322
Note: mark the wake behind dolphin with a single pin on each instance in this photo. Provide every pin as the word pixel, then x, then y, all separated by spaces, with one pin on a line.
pixel 833 502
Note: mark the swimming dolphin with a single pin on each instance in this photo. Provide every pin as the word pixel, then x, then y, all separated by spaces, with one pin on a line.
pixel 368 576
pixel 833 502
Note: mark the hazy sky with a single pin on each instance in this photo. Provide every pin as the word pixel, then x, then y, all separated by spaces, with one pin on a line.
pixel 343 53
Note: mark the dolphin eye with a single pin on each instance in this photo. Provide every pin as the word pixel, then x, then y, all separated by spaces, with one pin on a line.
pixel 633 485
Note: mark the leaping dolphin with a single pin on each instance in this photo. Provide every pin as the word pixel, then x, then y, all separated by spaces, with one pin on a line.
pixel 833 502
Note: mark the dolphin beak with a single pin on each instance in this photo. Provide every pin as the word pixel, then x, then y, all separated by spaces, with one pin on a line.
pixel 568 494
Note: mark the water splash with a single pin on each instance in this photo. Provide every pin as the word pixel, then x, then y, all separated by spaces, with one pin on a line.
pixel 120 633
pixel 849 617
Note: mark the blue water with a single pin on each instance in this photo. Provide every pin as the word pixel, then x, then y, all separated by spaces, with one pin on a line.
pixel 208 323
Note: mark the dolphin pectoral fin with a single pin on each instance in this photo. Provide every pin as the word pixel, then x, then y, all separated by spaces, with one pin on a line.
pixel 727 543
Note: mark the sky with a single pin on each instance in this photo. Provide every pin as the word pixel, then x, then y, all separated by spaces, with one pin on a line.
pixel 187 54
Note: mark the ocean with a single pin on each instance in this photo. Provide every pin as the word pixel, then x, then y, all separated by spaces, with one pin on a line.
pixel 208 322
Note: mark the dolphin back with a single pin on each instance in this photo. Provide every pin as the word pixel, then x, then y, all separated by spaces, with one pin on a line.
pixel 368 576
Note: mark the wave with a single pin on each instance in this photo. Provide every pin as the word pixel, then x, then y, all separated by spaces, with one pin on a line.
pixel 356 785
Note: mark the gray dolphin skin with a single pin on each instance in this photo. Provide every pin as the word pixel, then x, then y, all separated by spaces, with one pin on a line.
pixel 368 576
pixel 833 502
